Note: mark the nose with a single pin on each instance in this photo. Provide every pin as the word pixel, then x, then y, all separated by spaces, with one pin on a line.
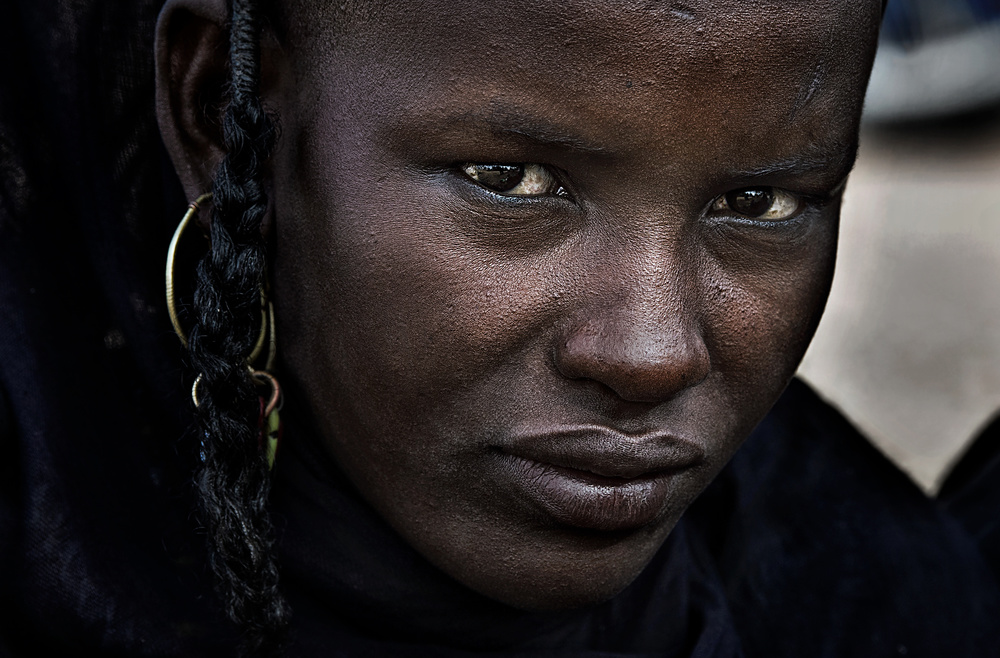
pixel 638 334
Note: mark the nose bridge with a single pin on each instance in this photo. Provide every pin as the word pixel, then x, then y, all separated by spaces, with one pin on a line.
pixel 637 331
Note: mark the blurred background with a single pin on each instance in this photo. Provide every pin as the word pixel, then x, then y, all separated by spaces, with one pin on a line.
pixel 909 348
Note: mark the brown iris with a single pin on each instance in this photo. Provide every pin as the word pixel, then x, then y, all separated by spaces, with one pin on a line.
pixel 752 201
pixel 499 177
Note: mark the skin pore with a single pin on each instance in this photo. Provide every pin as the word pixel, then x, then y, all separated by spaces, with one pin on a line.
pixel 541 266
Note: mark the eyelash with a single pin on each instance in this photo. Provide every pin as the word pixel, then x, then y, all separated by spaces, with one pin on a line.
pixel 500 179
pixel 514 175
pixel 782 205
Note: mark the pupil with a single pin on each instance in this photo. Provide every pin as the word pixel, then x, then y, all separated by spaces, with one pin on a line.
pixel 499 177
pixel 754 201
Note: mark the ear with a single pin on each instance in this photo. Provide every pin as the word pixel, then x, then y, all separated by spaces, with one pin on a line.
pixel 192 52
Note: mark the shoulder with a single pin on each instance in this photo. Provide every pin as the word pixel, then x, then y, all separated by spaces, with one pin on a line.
pixel 971 493
pixel 822 542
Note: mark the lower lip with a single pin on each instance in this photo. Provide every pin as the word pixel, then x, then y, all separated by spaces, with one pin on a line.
pixel 585 500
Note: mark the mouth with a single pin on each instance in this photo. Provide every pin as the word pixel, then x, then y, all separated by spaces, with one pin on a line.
pixel 596 478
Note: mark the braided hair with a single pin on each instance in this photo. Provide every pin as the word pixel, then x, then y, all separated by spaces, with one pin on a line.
pixel 233 482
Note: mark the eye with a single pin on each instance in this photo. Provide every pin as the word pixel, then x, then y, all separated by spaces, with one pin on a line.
pixel 766 203
pixel 527 180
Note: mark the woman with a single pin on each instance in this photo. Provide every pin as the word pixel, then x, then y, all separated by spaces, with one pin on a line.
pixel 537 270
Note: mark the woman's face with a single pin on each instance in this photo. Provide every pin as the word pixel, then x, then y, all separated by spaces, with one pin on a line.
pixel 542 266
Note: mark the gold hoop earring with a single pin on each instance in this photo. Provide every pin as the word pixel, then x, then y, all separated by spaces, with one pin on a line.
pixel 269 423
pixel 192 211
pixel 267 310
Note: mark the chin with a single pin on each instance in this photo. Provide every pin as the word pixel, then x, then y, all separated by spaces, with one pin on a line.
pixel 573 569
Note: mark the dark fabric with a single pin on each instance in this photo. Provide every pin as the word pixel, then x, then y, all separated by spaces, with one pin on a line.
pixel 972 492
pixel 95 536
pixel 809 544
pixel 827 549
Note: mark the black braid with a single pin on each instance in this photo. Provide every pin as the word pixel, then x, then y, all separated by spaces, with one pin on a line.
pixel 233 483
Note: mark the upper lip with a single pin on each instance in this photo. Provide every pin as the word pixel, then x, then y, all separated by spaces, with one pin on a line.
pixel 607 452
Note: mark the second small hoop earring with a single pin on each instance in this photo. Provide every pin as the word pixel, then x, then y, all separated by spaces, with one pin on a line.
pixel 269 427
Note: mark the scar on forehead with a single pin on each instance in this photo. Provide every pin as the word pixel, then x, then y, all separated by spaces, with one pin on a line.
pixel 682 11
pixel 811 85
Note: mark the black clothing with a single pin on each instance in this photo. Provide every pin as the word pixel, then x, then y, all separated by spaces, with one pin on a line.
pixel 809 544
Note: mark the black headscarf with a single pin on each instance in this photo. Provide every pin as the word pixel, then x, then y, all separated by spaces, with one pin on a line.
pixel 93 466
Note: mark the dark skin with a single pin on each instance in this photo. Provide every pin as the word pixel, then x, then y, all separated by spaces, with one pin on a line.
pixel 541 267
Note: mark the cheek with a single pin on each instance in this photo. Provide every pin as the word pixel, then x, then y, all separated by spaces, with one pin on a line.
pixel 412 308
pixel 764 303
pixel 392 324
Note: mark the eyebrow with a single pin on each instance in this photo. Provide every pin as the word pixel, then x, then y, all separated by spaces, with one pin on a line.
pixel 545 135
pixel 810 161
pixel 513 123
pixel 523 127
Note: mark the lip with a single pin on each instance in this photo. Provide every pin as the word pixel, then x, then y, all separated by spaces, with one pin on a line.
pixel 597 478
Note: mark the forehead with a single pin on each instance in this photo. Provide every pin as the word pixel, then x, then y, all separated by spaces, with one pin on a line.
pixel 588 35
pixel 637 72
